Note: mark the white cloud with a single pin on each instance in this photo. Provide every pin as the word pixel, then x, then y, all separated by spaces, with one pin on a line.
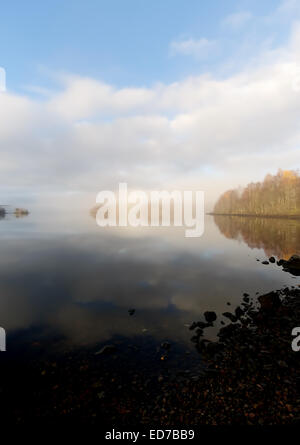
pixel 201 48
pixel 92 135
pixel 237 20
pixel 82 97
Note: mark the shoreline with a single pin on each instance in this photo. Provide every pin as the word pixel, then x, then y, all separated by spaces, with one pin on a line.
pixel 247 215
pixel 248 377
pixel 18 211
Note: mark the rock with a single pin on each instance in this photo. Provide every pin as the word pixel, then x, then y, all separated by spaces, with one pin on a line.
pixel 107 349
pixel 265 262
pixel 295 258
pixel 228 331
pixel 193 326
pixel 214 347
pixel 199 333
pixel 239 312
pixel 270 301
pixel 292 265
pixel 202 325
pixel 210 316
pixel 230 316
pixel 293 262
pixel 272 259
pixel 131 311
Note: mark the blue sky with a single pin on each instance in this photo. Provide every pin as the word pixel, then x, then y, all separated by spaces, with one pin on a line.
pixel 127 43
pixel 159 94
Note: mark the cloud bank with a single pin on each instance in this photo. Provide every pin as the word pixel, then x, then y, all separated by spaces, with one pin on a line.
pixel 203 131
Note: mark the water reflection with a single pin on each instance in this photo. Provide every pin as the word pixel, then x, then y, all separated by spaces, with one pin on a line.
pixel 276 236
pixel 81 285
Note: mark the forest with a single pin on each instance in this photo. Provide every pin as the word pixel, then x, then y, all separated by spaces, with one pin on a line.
pixel 277 195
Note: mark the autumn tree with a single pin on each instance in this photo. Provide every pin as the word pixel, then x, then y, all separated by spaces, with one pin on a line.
pixel 277 195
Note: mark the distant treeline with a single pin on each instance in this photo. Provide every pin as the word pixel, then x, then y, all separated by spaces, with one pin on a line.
pixel 277 195
pixel 17 212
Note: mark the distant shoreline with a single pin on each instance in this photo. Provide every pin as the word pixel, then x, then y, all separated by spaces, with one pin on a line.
pixel 251 215
pixel 17 211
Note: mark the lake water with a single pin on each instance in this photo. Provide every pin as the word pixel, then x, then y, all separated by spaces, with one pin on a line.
pixel 63 277
pixel 67 286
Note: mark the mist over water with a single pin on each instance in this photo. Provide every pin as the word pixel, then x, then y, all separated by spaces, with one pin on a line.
pixel 62 275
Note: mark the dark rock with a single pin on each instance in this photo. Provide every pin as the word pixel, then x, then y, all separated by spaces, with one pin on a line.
pixel 210 316
pixel 199 332
pixel 202 325
pixel 270 301
pixel 295 259
pixel 265 262
pixel 214 347
pixel 228 331
pixel 131 311
pixel 230 316
pixel 292 265
pixel 239 312
pixel 272 259
pixel 193 326
pixel 246 298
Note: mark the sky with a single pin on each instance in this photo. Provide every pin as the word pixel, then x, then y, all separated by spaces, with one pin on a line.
pixel 159 94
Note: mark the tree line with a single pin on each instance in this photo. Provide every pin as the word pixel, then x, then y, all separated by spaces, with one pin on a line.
pixel 277 195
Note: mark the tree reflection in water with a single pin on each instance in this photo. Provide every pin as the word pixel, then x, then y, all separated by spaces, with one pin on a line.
pixel 276 236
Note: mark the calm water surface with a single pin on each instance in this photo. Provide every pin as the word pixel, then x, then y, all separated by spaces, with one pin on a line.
pixel 68 284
